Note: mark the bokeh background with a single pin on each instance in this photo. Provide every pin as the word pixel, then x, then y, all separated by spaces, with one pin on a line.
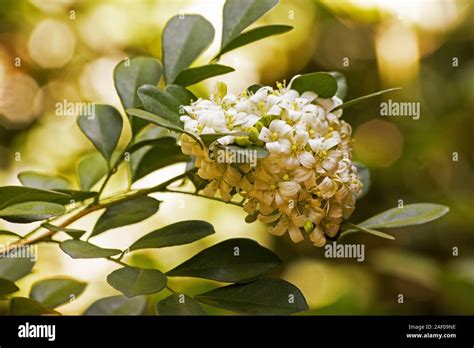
pixel 52 51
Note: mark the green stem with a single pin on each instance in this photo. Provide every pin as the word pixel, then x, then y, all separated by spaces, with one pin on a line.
pixel 238 204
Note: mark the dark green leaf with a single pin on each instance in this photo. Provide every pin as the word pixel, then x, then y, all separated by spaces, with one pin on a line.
pixel 31 211
pixel 103 128
pixel 183 95
pixel 238 154
pixel 409 215
pixel 185 37
pixel 9 233
pixel 26 306
pixel 360 99
pixel 7 287
pixel 183 232
pixel 263 296
pixel 192 76
pixel 76 234
pixel 79 196
pixel 160 102
pixel 90 170
pixel 163 153
pixel 43 181
pixel 79 249
pixel 14 265
pixel 234 260
pixel 133 281
pixel 321 83
pixel 118 305
pixel 179 304
pixel 239 14
pixel 341 84
pixel 126 213
pixel 10 195
pixel 129 75
pixel 56 291
pixel 159 121
pixel 254 35
pixel 364 174
pixel 254 88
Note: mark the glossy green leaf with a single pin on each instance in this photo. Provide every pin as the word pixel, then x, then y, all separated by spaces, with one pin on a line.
pixel 184 38
pixel 239 14
pixel 15 265
pixel 254 88
pixel 11 195
pixel 364 175
pixel 118 305
pixel 56 291
pixel 76 234
pixel 90 170
pixel 409 215
pixel 182 232
pixel 129 75
pixel 164 152
pixel 7 287
pixel 134 281
pixel 254 35
pixel 321 83
pixel 102 128
pixel 263 296
pixel 27 306
pixel 126 213
pixel 341 84
pixel 234 260
pixel 43 181
pixel 159 121
pixel 360 99
pixel 79 249
pixel 179 304
pixel 183 95
pixel 79 196
pixel 31 211
pixel 160 103
pixel 192 76
pixel 358 228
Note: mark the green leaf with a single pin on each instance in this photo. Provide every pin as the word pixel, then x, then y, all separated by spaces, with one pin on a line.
pixel 192 76
pixel 9 233
pixel 321 83
pixel 43 181
pixel 56 291
pixel 31 211
pixel 126 213
pixel 159 121
pixel 14 265
pixel 341 84
pixel 181 94
pixel 263 296
pixel 409 215
pixel 103 128
pixel 11 195
pixel 79 249
pixel 26 306
pixel 210 138
pixel 179 233
pixel 160 102
pixel 90 170
pixel 355 228
pixel 184 39
pixel 234 260
pixel 239 14
pixel 7 287
pixel 254 35
pixel 79 196
pixel 118 305
pixel 134 281
pixel 364 175
pixel 76 234
pixel 254 88
pixel 247 154
pixel 129 75
pixel 163 153
pixel 179 304
pixel 360 99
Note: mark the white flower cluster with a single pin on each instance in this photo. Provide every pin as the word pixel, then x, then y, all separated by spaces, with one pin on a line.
pixel 307 183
